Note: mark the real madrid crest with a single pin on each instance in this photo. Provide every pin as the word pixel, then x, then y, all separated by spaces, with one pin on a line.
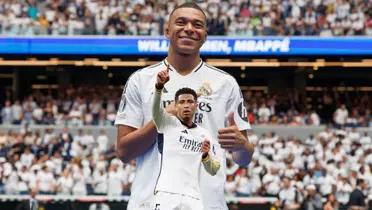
pixel 205 89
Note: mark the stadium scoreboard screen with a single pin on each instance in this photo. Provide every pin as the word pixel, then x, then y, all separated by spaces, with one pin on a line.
pixel 214 46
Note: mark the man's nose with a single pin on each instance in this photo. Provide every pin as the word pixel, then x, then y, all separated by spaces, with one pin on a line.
pixel 189 27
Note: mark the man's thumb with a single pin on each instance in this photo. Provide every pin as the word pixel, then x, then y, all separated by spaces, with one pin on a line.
pixel 231 119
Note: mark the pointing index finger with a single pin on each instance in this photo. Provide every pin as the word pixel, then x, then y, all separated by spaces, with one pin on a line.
pixel 168 67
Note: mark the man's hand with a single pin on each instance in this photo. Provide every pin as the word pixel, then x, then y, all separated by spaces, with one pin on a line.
pixel 231 138
pixel 206 147
pixel 162 78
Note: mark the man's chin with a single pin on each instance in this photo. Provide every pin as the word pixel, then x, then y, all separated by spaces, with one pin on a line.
pixel 186 118
pixel 188 50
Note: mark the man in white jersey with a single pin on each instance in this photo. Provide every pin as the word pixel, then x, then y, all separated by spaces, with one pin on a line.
pixel 220 102
pixel 186 145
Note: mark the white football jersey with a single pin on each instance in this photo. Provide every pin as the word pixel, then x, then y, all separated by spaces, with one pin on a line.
pixel 181 157
pixel 219 95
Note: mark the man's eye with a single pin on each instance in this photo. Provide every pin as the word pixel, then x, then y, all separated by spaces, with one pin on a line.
pixel 199 25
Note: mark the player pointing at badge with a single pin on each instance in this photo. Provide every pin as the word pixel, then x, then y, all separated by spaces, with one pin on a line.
pixel 220 110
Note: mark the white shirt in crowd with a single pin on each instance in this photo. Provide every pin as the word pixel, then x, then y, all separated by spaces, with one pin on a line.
pixel 115 182
pixel 45 180
pixel 341 115
pixel 17 111
pixel 79 187
pixel 27 159
pixel 100 181
pixel 102 141
pixel 65 184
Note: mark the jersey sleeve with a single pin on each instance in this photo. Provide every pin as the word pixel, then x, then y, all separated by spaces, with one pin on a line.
pixel 130 109
pixel 161 118
pixel 236 105
pixel 212 163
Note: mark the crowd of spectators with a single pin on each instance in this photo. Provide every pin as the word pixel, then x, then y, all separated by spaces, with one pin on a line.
pixel 330 107
pixel 85 105
pixel 88 105
pixel 324 169
pixel 147 17
pixel 62 163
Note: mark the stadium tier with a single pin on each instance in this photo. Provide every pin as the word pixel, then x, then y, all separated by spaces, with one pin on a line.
pixel 75 164
pixel 232 18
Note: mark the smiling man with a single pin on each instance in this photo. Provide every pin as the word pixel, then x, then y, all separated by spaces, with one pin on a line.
pixel 220 110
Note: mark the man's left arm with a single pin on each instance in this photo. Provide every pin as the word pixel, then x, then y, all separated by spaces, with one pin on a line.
pixel 235 136
pixel 236 141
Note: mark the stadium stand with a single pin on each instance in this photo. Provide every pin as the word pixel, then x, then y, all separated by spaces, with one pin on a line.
pixel 292 169
pixel 140 17
pixel 88 105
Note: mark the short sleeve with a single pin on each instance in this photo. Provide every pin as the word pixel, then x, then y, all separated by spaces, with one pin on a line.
pixel 236 105
pixel 130 111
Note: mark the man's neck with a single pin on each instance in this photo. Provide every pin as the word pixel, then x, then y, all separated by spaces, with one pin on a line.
pixel 184 64
pixel 187 123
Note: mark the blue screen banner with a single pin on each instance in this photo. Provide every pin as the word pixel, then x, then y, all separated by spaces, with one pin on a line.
pixel 214 46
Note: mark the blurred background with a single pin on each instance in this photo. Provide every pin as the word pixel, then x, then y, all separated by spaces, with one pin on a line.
pixel 305 69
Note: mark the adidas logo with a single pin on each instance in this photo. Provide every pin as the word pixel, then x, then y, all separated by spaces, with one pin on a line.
pixel 185 131
pixel 165 90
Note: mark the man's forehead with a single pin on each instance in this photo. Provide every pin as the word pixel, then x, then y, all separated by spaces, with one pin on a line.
pixel 188 13
pixel 185 96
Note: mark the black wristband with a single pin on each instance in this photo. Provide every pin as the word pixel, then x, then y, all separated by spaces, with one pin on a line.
pixel 158 86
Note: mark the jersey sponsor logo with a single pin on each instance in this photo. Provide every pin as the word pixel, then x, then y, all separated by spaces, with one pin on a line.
pixel 190 144
pixel 203 106
pixel 167 102
pixel 242 112
pixel 184 131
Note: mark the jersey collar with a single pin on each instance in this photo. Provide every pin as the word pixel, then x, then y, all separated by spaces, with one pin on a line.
pixel 193 125
pixel 171 68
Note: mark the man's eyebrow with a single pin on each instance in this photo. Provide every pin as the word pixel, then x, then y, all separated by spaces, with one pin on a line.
pixel 187 19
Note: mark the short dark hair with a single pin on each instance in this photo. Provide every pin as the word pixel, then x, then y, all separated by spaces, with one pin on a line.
pixel 188 5
pixel 359 181
pixel 185 91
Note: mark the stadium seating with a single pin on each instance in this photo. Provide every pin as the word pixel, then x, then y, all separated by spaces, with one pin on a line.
pixel 60 163
pixel 235 18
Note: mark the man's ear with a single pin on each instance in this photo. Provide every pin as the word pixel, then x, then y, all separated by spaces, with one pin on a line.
pixel 205 38
pixel 166 30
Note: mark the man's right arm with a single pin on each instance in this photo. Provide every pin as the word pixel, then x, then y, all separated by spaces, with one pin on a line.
pixel 133 142
pixel 134 136
pixel 133 139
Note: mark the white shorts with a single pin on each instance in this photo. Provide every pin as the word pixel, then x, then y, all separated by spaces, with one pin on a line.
pixel 172 201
